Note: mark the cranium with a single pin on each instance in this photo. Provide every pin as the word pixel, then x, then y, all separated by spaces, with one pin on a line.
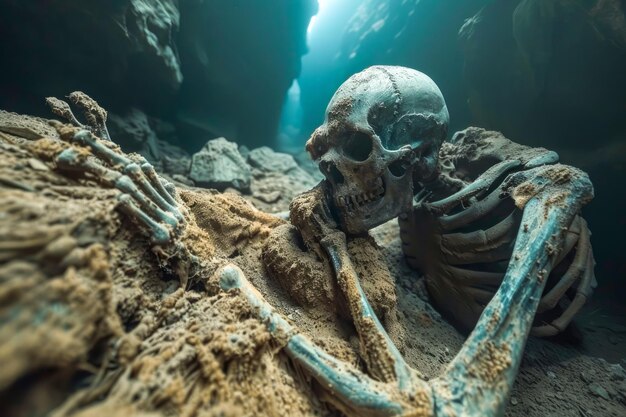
pixel 382 132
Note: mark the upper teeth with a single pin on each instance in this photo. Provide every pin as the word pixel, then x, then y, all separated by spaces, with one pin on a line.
pixel 353 201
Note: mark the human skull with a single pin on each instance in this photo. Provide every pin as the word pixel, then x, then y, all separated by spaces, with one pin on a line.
pixel 382 131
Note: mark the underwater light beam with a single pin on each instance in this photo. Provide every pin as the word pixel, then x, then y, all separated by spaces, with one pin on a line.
pixel 321 5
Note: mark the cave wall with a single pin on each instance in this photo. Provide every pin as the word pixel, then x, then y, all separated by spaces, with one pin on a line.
pixel 211 68
pixel 240 59
pixel 123 52
pixel 548 72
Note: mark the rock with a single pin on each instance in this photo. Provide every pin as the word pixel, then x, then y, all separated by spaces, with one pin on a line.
pixel 176 166
pixel 597 390
pixel 37 165
pixel 135 131
pixel 541 100
pixel 268 198
pixel 219 165
pixel 265 159
pixel 244 151
pixel 183 180
pixel 174 159
pixel 132 131
pixel 585 377
pixel 306 163
pixel 277 178
pixel 551 375
pixel 617 372
pixel 178 59
pixel 26 127
pixel 621 392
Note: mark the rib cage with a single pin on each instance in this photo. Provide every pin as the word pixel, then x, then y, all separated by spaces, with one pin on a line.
pixel 463 245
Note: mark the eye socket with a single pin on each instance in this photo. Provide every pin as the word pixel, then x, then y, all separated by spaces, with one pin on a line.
pixel 358 146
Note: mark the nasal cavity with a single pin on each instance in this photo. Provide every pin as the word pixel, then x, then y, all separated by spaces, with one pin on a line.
pixel 398 168
pixel 358 146
pixel 331 172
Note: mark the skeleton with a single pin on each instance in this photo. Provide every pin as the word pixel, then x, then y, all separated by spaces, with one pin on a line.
pixel 378 149
pixel 381 140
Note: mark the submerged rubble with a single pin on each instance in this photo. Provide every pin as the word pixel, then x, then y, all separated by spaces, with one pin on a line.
pixel 220 165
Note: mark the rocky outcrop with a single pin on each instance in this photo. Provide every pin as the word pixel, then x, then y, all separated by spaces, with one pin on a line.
pixel 154 139
pixel 550 73
pixel 265 159
pixel 217 68
pixel 121 51
pixel 239 60
pixel 134 133
pixel 220 165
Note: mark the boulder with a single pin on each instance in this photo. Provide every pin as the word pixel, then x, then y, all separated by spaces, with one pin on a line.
pixel 136 132
pixel 220 165
pixel 133 133
pixel 266 160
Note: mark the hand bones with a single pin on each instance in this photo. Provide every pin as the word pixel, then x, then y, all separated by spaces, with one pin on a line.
pixel 145 197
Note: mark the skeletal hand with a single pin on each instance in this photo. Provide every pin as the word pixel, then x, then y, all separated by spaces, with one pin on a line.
pixel 145 197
